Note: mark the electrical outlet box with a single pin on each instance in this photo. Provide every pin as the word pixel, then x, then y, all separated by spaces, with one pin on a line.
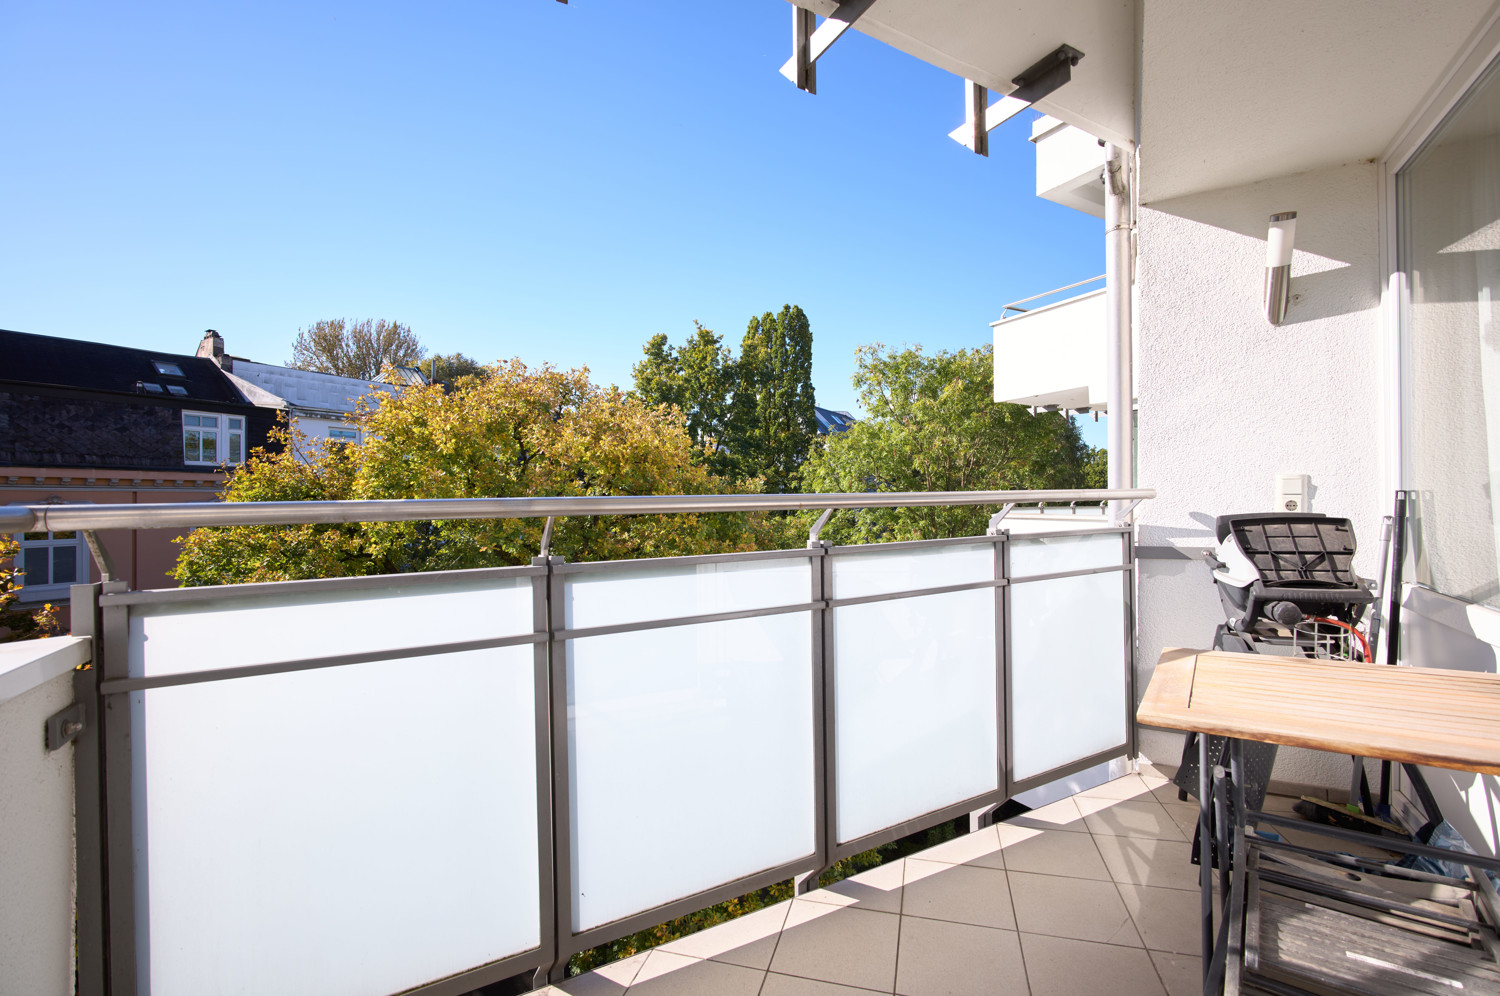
pixel 1293 493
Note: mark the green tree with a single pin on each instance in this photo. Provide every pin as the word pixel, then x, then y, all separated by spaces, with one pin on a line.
pixel 519 432
pixel 696 378
pixel 752 414
pixel 1096 468
pixel 355 349
pixel 453 367
pixel 773 422
pixel 932 424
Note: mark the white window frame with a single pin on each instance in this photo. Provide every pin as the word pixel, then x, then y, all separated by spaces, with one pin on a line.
pixel 223 428
pixel 30 592
pixel 343 434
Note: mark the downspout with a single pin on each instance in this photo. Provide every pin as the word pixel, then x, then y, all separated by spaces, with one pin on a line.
pixel 1117 324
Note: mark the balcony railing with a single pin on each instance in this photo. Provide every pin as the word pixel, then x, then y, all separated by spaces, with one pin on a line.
pixel 427 783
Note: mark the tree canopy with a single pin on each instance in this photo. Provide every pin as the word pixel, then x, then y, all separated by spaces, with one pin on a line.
pixel 752 414
pixel 359 349
pixel 932 424
pixel 517 432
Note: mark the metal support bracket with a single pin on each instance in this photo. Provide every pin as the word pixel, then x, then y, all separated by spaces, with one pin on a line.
pixel 100 555
pixel 1039 80
pixel 63 728
pixel 817 527
pixel 809 42
pixel 1127 509
pixel 546 538
pixel 998 517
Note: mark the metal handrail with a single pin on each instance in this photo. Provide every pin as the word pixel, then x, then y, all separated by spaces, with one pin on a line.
pixel 1055 290
pixel 189 515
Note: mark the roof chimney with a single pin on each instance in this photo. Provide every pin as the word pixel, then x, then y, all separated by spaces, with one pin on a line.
pixel 212 347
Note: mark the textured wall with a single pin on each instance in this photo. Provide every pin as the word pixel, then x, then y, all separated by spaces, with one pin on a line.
pixel 1227 400
pixel 36 860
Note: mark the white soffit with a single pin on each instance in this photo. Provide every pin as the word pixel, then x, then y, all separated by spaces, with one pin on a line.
pixel 993 41
pixel 1232 93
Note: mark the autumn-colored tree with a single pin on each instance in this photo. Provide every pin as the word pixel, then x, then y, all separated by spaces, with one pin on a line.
pixel 16 623
pixel 932 424
pixel 518 432
pixel 355 349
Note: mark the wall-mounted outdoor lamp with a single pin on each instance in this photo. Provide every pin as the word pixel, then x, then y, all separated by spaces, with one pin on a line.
pixel 1279 264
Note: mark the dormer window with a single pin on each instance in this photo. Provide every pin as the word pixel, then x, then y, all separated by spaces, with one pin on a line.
pixel 212 439
pixel 167 369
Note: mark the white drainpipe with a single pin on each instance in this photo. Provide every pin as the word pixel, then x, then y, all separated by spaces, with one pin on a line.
pixel 1118 321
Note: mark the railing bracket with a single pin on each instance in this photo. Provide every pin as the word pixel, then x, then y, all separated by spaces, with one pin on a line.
pixel 63 728
pixel 996 519
pixel 100 555
pixel 817 527
pixel 546 538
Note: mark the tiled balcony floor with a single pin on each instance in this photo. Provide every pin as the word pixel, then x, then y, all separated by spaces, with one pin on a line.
pixel 1091 894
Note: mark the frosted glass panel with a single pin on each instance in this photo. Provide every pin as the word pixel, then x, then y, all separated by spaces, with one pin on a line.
pixel 1067 670
pixel 348 830
pixel 880 573
pixel 691 759
pixel 613 597
pixel 915 699
pixel 1056 554
pixel 233 631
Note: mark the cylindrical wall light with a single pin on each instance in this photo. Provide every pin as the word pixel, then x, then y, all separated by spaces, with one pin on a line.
pixel 1279 264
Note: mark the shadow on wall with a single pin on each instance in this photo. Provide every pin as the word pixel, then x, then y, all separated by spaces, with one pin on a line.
pixel 1444 632
pixel 1332 264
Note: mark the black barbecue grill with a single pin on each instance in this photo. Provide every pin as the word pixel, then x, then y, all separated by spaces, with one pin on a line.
pixel 1288 588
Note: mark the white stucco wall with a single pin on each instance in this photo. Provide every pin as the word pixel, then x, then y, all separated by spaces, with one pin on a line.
pixel 36 819
pixel 1227 401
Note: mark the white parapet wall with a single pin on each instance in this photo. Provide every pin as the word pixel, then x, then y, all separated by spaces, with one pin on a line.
pixel 37 873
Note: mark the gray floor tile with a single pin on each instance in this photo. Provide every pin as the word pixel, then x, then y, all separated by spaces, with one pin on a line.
pixel 1061 815
pixel 1181 974
pixel 876 889
pixel 1125 787
pixel 1147 861
pixel 982 847
pixel 1059 966
pixel 690 977
pixel 749 940
pixel 959 893
pixel 1168 919
pixel 610 980
pixel 1071 907
pixel 1052 852
pixel 853 947
pixel 958 959
pixel 791 985
pixel 1134 818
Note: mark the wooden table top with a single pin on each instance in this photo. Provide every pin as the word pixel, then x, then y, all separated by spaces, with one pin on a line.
pixel 1448 719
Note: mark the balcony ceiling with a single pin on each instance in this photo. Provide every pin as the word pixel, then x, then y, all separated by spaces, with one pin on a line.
pixel 1231 93
pixel 993 41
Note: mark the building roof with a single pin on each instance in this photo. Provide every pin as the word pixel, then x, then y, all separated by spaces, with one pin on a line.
pixel 96 366
pixel 830 421
pixel 302 390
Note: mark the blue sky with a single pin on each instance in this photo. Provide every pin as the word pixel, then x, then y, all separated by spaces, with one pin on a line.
pixel 509 177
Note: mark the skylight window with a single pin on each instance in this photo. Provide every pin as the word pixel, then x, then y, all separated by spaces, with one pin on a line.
pixel 167 369
pixel 149 387
pixel 178 390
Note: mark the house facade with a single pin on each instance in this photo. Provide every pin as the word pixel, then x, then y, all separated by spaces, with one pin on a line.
pixel 88 422
pixel 321 406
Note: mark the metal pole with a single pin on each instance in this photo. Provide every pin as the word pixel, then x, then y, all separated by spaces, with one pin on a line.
pixel 1117 322
pixel 191 515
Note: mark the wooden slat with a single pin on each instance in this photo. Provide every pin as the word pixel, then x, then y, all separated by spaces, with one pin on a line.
pixel 1447 719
